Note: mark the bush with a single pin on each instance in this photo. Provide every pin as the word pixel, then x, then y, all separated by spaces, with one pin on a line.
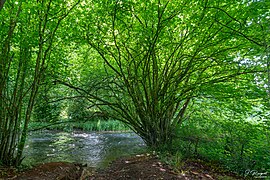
pixel 237 145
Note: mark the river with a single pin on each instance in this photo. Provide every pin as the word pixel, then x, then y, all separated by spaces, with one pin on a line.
pixel 95 149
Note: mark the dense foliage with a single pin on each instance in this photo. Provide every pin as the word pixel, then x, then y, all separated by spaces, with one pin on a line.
pixel 188 76
pixel 28 35
pixel 163 54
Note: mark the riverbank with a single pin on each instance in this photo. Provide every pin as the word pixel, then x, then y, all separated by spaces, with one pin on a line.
pixel 94 125
pixel 150 167
pixel 142 166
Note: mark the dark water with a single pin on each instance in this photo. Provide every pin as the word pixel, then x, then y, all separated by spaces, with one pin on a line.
pixel 95 149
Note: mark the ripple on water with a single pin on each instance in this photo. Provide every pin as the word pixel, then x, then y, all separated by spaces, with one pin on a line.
pixel 95 149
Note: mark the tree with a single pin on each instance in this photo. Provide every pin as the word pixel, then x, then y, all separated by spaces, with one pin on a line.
pixel 28 34
pixel 161 54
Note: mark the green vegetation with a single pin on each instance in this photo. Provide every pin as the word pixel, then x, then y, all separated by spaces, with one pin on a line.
pixel 93 125
pixel 226 145
pixel 236 142
pixel 192 78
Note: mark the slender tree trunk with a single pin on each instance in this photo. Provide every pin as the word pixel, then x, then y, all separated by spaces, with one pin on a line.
pixel 8 107
pixel 268 88
pixel 17 90
pixel 268 72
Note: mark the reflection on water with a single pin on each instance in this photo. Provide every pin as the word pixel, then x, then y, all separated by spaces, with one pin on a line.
pixel 95 149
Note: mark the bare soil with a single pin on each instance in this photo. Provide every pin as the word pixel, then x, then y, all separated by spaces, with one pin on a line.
pixel 142 167
pixel 47 171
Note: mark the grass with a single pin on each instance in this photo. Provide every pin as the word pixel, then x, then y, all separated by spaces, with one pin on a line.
pixel 93 125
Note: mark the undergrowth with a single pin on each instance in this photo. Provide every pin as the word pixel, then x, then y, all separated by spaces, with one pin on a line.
pixel 93 125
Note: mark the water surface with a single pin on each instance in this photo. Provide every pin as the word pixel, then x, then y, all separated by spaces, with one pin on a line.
pixel 95 149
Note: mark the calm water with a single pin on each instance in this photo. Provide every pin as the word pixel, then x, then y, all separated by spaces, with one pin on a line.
pixel 95 149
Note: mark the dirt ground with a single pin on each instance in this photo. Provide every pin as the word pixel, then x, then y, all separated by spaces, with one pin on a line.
pixel 147 167
pixel 142 167
pixel 47 171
